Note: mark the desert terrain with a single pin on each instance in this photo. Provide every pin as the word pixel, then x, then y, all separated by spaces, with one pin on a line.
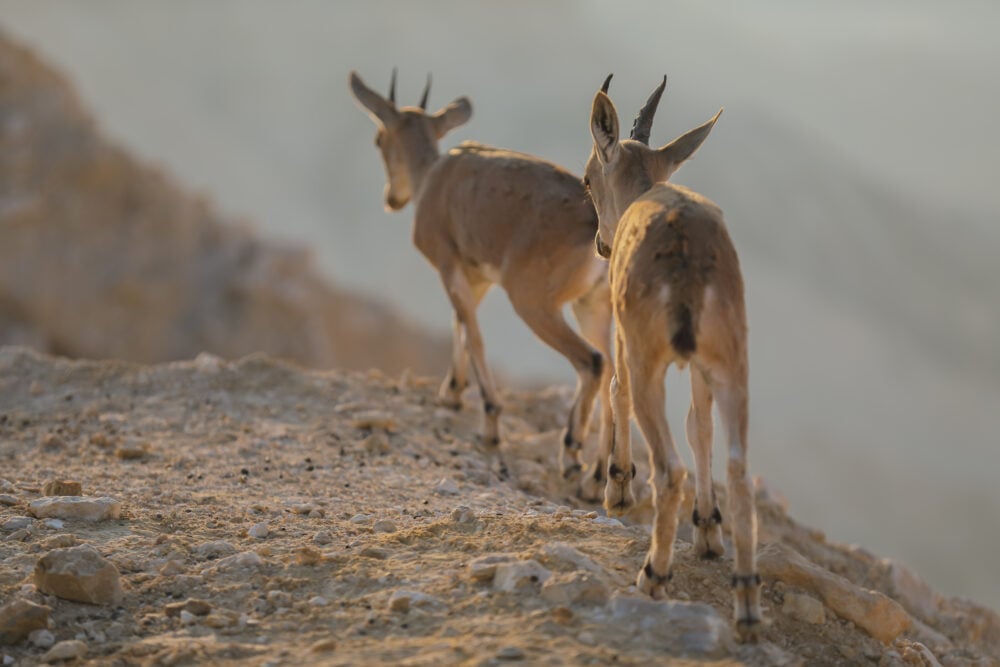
pixel 268 515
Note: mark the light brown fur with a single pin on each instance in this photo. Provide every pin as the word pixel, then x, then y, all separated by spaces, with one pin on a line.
pixel 677 296
pixel 486 215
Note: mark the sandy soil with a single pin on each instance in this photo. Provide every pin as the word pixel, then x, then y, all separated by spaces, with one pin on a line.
pixel 375 501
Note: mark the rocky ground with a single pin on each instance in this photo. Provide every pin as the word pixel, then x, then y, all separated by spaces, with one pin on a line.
pixel 260 514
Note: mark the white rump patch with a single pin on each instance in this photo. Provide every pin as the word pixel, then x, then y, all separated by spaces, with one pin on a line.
pixel 665 294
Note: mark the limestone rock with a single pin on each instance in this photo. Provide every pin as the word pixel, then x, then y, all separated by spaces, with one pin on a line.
pixel 80 574
pixel 67 650
pixel 241 562
pixel 8 500
pixel 384 526
pixel 446 487
pixel 484 568
pixel 193 606
pixel 17 523
pixel 259 530
pixel 511 577
pixel 881 617
pixel 675 627
pixel 42 638
pixel 911 591
pixel 76 507
pixel 575 588
pixel 19 617
pixel 402 600
pixel 212 550
pixel 60 487
pixel 804 608
pixel 564 554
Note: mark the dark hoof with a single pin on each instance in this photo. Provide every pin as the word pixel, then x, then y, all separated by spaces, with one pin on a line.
pixel 652 583
pixel 749 629
pixel 710 555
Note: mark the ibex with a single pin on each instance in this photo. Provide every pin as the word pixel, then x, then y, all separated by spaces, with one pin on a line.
pixel 486 215
pixel 677 297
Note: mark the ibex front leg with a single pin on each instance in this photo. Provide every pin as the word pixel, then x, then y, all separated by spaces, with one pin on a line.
pixel 464 301
pixel 457 378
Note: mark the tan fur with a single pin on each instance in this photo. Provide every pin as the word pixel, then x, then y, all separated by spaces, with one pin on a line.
pixel 674 277
pixel 486 215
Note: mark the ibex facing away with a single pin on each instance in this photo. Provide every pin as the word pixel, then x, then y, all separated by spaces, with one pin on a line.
pixel 484 216
pixel 677 296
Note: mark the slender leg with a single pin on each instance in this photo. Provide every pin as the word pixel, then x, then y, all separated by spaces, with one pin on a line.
pixel 455 382
pixel 707 518
pixel 731 393
pixel 463 300
pixel 618 495
pixel 593 312
pixel 457 379
pixel 547 322
pixel 667 472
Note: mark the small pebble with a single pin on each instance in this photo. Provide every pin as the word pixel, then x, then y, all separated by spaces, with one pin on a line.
pixel 55 524
pixel 187 618
pixel 510 653
pixel 323 537
pixel 318 601
pixel 259 530
pixel 42 639
pixel 446 487
pixel 384 526
pixel 361 518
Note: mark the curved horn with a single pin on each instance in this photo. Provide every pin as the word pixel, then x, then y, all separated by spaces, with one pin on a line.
pixel 644 119
pixel 607 82
pixel 392 87
pixel 427 91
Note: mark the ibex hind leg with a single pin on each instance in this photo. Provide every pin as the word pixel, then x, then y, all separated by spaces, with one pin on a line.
pixel 593 313
pixel 707 517
pixel 547 322
pixel 730 391
pixel 457 378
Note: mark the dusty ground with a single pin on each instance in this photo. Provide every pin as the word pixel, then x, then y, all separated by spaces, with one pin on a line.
pixel 360 513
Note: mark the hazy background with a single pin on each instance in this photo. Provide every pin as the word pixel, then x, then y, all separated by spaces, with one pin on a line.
pixel 856 161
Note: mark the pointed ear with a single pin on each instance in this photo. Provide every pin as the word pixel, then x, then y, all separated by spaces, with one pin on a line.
pixel 684 146
pixel 380 109
pixel 447 119
pixel 604 127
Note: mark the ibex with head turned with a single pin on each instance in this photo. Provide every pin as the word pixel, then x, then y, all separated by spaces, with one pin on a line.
pixel 677 296
pixel 484 216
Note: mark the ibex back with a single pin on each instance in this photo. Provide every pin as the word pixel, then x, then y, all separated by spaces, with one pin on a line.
pixel 484 216
pixel 677 296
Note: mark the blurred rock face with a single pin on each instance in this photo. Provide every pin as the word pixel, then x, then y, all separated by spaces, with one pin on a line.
pixel 105 257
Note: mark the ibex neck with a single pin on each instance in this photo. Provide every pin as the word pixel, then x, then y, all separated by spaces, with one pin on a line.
pixel 419 166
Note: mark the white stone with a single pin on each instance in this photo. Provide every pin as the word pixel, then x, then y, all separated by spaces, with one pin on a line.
pixel 573 588
pixel 361 518
pixel 76 507
pixel 318 601
pixel 54 524
pixel 446 487
pixel 187 618
pixel 42 639
pixel 677 626
pixel 247 560
pixel 518 575
pixel 259 530
pixel 67 650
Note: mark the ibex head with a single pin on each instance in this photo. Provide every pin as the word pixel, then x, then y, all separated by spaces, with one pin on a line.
pixel 618 172
pixel 407 137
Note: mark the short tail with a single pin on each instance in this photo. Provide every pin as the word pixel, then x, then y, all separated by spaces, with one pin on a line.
pixel 682 338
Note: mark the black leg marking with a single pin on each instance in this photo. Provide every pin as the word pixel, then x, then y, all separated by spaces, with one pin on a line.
pixel 615 471
pixel 702 522
pixel 598 473
pixel 569 442
pixel 657 579
pixel 453 383
pixel 746 580
pixel 491 409
pixel 633 472
pixel 596 363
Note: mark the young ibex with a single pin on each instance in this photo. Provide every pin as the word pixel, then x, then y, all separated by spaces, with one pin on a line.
pixel 484 216
pixel 677 296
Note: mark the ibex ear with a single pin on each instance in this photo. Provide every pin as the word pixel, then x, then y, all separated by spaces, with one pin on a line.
pixel 684 146
pixel 447 119
pixel 380 109
pixel 604 127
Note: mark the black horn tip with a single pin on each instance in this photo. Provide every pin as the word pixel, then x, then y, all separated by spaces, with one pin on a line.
pixel 606 84
pixel 427 91
pixel 392 86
